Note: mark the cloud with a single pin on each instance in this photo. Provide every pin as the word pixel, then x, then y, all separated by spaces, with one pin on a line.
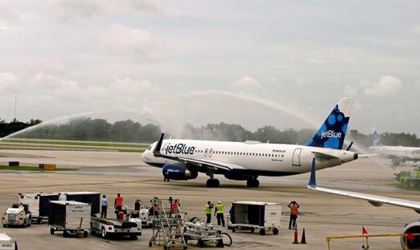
pixel 301 81
pixel 128 85
pixel 55 86
pixel 415 30
pixel 77 11
pixel 247 82
pixel 386 86
pixel 8 15
pixel 9 82
pixel 118 40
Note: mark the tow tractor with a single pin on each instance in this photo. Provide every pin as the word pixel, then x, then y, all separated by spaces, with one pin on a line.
pixel 112 227
pixel 17 215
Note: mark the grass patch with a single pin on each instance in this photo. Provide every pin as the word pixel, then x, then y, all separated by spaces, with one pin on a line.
pixel 34 168
pixel 35 144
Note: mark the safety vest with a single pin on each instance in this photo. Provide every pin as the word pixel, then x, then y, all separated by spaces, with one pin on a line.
pixel 118 201
pixel 219 209
pixel 207 209
pixel 294 209
pixel 175 207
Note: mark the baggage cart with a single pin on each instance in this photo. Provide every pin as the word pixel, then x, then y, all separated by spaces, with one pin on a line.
pixel 254 215
pixel 39 204
pixel 203 232
pixel 7 243
pixel 113 227
pixel 70 217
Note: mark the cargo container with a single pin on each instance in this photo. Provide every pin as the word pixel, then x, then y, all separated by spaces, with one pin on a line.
pixel 255 215
pixel 70 217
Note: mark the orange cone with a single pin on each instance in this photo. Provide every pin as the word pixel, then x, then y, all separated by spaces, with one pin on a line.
pixel 295 241
pixel 364 231
pixel 303 240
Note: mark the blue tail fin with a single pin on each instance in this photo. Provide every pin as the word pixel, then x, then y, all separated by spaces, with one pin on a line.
pixel 332 132
pixel 376 139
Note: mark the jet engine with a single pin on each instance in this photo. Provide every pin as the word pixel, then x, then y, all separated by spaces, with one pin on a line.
pixel 177 172
pixel 414 228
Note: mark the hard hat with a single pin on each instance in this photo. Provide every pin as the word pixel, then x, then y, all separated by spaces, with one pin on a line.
pixel 219 202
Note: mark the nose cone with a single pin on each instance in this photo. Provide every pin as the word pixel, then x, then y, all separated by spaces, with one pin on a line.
pixel 146 156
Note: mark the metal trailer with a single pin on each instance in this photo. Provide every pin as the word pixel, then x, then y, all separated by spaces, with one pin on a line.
pixel 71 217
pixel 39 204
pixel 203 232
pixel 113 227
pixel 254 215
pixel 7 243
pixel 17 215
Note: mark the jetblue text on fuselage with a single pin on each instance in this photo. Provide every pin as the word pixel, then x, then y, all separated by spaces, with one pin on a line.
pixel 180 148
pixel 331 134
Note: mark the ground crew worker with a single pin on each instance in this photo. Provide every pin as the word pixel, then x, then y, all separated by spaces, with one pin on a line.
pixel 293 205
pixel 137 206
pixel 118 204
pixel 207 211
pixel 175 206
pixel 104 206
pixel 219 212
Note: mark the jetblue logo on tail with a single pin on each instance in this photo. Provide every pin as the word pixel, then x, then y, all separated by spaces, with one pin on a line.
pixel 332 132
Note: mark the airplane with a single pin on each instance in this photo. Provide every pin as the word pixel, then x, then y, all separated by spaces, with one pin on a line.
pixel 246 161
pixel 398 154
pixel 377 201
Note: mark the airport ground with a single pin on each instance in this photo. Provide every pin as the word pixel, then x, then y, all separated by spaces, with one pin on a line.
pixel 117 172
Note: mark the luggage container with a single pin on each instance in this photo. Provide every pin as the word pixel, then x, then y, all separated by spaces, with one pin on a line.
pixel 254 215
pixel 92 198
pixel 7 243
pixel 39 204
pixel 71 217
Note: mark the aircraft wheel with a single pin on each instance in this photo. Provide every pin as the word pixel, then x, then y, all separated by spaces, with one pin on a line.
pixel 253 183
pixel 213 183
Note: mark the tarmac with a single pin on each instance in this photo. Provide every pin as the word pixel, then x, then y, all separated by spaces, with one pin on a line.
pixel 113 172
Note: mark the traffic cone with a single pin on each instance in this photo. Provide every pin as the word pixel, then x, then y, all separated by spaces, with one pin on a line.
pixel 303 240
pixel 364 231
pixel 295 241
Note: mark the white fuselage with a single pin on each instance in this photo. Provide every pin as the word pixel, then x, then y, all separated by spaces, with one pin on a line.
pixel 409 153
pixel 263 158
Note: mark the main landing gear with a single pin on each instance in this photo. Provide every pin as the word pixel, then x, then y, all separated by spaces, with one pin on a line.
pixel 253 183
pixel 213 183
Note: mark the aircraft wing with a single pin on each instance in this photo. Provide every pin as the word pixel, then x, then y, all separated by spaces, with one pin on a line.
pixel 206 164
pixel 375 200
pixel 199 164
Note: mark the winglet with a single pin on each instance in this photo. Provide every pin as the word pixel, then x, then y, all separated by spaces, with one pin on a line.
pixel 156 151
pixel 349 147
pixel 312 179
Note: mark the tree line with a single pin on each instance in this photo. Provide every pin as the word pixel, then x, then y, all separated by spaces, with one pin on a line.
pixel 89 129
pixel 15 126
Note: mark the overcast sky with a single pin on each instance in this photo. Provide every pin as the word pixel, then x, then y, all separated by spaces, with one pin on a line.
pixel 255 63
